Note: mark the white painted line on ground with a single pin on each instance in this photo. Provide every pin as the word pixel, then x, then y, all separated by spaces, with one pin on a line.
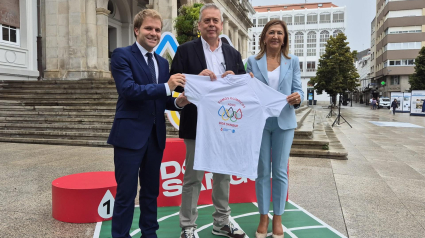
pixel 317 219
pixel 246 215
pixel 284 227
pixel 202 228
pixel 306 227
pixel 166 217
pixel 97 230
pixel 232 220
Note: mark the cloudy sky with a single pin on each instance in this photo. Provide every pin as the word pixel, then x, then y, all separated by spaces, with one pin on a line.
pixel 360 14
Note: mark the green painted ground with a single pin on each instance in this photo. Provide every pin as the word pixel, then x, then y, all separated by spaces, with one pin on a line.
pixel 296 221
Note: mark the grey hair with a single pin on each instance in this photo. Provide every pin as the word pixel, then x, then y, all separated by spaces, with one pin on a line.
pixel 208 6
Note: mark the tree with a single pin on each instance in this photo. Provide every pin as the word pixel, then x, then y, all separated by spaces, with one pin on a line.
pixel 186 22
pixel 417 79
pixel 336 72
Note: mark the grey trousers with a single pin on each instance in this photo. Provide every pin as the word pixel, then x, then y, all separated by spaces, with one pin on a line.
pixel 192 183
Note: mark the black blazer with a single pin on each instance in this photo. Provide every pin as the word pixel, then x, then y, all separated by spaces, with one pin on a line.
pixel 190 59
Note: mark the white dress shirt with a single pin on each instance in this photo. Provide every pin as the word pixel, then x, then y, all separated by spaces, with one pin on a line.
pixel 144 52
pixel 274 78
pixel 214 59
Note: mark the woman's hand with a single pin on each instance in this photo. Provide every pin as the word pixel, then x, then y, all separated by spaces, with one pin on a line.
pixel 294 99
pixel 251 74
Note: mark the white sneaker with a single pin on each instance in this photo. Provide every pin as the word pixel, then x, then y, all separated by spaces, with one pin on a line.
pixel 228 230
pixel 188 233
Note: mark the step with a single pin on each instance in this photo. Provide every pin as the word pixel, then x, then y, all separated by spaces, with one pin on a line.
pixel 55 86
pixel 55 141
pixel 305 130
pixel 314 153
pixel 301 116
pixel 104 115
pixel 57 97
pixel 51 134
pixel 310 144
pixel 64 103
pixel 80 81
pixel 56 120
pixel 99 128
pixel 58 92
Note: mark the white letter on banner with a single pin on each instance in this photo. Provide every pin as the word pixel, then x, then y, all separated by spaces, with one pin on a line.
pixel 167 186
pixel 239 181
pixel 208 180
pixel 174 174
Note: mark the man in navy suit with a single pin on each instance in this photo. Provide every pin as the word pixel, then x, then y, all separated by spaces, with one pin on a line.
pixel 138 133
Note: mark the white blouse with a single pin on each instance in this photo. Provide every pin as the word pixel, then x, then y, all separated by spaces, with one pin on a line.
pixel 274 78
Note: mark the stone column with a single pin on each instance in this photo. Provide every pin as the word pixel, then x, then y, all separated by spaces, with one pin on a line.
pixel 236 38
pixel 168 11
pixel 77 40
pixel 226 26
pixel 244 46
pixel 57 38
pixel 91 37
pixel 102 37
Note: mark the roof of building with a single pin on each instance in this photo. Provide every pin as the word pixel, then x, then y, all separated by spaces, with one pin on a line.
pixel 290 7
pixel 363 53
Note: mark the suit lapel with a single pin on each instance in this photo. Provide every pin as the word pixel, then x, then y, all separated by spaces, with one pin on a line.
pixel 226 56
pixel 284 66
pixel 200 52
pixel 262 65
pixel 142 62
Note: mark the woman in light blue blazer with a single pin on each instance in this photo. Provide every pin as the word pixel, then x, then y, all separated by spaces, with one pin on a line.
pixel 281 71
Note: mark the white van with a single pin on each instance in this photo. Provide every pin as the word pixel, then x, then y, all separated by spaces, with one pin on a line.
pixel 384 102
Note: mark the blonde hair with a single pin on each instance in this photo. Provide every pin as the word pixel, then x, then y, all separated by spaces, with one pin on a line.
pixel 138 19
pixel 284 48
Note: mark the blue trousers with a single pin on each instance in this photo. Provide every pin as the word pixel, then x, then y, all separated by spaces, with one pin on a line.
pixel 274 154
pixel 130 167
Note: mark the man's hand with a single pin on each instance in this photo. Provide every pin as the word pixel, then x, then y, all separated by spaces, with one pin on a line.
pixel 227 72
pixel 294 99
pixel 176 80
pixel 207 72
pixel 181 100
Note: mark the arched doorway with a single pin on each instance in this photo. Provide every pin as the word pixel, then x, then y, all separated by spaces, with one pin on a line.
pixel 120 27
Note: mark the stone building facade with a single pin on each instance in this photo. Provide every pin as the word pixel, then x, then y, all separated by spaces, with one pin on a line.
pixel 78 36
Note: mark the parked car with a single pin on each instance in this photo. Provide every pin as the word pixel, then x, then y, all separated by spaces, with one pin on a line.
pixel 384 102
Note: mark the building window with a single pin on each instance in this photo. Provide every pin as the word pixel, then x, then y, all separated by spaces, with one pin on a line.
pixel 405 62
pixel 254 42
pixel 299 20
pixel 324 37
pixel 311 43
pixel 9 34
pixel 274 18
pixel 287 19
pixel 299 44
pixel 312 18
pixel 338 17
pixel 395 80
pixel 403 30
pixel 262 22
pixel 325 17
pixel 403 46
pixel 254 21
pixel 311 66
pixel 301 66
pixel 336 33
pixel 290 42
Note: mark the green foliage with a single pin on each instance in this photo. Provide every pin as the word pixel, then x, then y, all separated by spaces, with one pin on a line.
pixel 336 72
pixel 186 22
pixel 417 80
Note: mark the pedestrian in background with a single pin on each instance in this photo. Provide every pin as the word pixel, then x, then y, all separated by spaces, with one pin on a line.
pixel 373 104
pixel 370 103
pixel 394 105
pixel 377 103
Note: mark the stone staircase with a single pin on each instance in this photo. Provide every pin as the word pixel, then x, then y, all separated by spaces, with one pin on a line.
pixel 81 113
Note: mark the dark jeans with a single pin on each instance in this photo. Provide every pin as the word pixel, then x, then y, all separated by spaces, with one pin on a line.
pixel 393 110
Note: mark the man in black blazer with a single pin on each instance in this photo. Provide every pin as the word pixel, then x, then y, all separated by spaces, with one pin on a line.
pixel 207 56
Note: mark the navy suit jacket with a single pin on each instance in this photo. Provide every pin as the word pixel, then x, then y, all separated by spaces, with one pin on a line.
pixel 141 102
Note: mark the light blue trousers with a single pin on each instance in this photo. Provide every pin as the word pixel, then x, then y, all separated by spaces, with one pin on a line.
pixel 274 154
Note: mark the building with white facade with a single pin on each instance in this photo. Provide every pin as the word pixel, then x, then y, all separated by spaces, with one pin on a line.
pixel 363 66
pixel 310 26
pixel 73 39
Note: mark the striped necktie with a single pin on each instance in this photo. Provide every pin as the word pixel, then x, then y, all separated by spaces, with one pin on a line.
pixel 151 67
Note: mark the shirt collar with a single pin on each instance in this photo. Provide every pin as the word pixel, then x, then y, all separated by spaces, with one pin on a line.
pixel 143 50
pixel 207 46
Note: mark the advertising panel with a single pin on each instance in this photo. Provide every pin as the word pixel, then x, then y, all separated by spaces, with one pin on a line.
pixel 406 102
pixel 399 97
pixel 417 103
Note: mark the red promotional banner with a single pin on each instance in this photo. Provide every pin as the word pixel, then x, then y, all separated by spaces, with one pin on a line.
pixel 242 190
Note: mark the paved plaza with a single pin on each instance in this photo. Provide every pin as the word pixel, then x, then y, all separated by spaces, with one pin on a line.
pixel 378 192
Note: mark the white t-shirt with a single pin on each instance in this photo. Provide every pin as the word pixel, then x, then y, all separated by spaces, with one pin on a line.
pixel 232 112
pixel 274 78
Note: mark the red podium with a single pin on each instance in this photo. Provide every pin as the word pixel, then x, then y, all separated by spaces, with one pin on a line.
pixel 84 197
